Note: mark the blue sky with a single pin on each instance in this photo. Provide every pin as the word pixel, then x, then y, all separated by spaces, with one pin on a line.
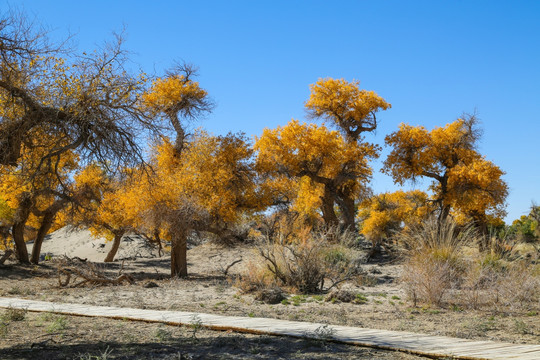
pixel 432 60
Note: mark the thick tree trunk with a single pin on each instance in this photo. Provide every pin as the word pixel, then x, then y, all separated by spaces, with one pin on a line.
pixel 46 224
pixel 17 231
pixel 20 245
pixel 348 211
pixel 116 244
pixel 327 207
pixel 179 255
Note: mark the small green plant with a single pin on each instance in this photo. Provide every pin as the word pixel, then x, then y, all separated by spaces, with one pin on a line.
pixel 298 299
pixel 58 323
pixel 14 314
pixel 360 299
pixel 532 313
pixel 103 356
pixel 285 302
pixel 162 334
pixel 196 325
pixel 251 314
pixel 395 297
pixel 3 329
pixel 15 290
pixel 521 327
pixel 431 311
pixel 318 297
pixel 324 332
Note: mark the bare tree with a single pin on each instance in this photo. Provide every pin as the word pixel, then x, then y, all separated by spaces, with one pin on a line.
pixel 90 102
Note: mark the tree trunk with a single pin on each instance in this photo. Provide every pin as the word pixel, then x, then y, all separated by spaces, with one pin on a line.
pixel 19 224
pixel 481 225
pixel 6 256
pixel 157 239
pixel 20 245
pixel 179 255
pixel 348 211
pixel 327 207
pixel 116 244
pixel 46 224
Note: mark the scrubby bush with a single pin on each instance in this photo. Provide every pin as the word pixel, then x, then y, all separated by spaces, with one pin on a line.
pixel 306 264
pixel 434 265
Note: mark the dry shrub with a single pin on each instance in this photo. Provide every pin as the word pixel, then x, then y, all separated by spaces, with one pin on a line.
pixel 434 265
pixel 342 295
pixel 518 287
pixel 303 264
pixel 427 278
pixel 255 278
pixel 478 282
pixel 260 281
pixel 499 285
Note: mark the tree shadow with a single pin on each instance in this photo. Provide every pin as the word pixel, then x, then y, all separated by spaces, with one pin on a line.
pixel 222 346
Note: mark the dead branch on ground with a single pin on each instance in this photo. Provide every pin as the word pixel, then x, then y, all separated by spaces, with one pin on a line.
pixel 88 272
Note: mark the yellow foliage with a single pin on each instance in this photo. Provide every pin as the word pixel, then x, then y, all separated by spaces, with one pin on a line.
pixel 308 151
pixel 352 110
pixel 463 180
pixel 172 94
pixel 388 212
pixel 212 177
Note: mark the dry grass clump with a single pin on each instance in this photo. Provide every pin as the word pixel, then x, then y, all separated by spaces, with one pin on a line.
pixel 305 265
pixel 437 266
pixel 500 285
pixel 434 265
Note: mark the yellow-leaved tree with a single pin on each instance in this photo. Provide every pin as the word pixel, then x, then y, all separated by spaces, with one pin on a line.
pixel 346 106
pixel 464 182
pixel 104 210
pixel 35 191
pixel 383 215
pixel 320 161
pixel 208 188
pixel 200 182
pixel 325 168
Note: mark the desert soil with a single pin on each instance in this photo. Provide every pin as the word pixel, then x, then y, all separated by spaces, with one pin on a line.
pixel 208 290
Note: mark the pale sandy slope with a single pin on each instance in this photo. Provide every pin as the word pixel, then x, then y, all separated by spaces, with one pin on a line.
pixel 81 243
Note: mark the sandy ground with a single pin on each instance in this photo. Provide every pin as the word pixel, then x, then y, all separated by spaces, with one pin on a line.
pixel 83 244
pixel 48 336
pixel 208 290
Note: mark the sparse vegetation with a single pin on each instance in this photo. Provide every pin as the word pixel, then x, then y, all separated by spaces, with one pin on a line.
pixel 85 142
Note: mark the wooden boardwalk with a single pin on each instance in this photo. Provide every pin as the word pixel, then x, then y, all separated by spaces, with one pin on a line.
pixel 433 346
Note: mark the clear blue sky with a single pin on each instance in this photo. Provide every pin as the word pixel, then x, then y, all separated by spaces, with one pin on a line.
pixel 432 60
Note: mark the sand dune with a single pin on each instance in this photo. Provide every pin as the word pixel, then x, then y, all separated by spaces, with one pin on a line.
pixel 81 243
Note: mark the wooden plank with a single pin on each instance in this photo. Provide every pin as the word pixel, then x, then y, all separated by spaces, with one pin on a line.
pixel 388 339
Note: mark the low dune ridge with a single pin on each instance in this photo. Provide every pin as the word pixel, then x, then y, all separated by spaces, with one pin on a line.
pixel 80 242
